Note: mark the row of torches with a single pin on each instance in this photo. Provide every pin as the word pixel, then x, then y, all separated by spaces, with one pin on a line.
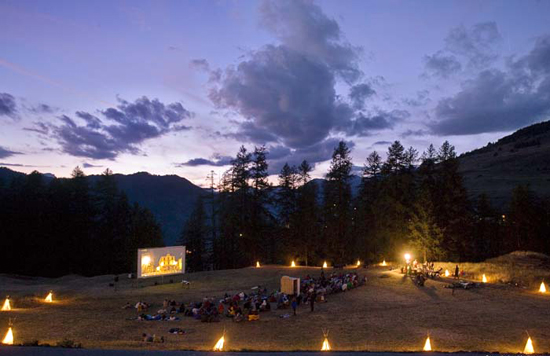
pixel 8 339
pixel 529 349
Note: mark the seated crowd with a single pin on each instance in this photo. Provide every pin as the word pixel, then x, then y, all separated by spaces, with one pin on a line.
pixel 242 306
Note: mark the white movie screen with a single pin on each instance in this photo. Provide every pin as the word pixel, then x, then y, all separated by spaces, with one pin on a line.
pixel 153 262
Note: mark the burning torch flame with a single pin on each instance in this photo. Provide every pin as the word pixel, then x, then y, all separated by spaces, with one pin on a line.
pixel 383 263
pixel 484 278
pixel 407 257
pixel 529 347
pixel 428 345
pixel 447 273
pixel 325 265
pixel 49 298
pixel 358 263
pixel 257 264
pixel 6 306
pixel 326 345
pixel 8 340
pixel 542 288
pixel 293 264
pixel 219 344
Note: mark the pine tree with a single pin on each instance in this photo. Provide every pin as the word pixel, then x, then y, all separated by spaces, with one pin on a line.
pixel 193 236
pixel 337 196
pixel 425 235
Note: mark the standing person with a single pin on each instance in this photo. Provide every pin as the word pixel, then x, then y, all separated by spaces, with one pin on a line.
pixel 294 305
pixel 312 298
pixel 457 270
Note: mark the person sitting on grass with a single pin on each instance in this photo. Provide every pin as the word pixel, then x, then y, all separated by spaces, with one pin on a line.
pixel 146 337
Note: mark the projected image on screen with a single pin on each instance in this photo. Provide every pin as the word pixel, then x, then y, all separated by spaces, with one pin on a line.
pixel 161 261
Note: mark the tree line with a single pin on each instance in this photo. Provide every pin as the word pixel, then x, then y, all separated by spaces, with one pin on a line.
pixel 405 202
pixel 71 226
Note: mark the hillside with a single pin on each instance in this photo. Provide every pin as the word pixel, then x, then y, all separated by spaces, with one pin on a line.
pixel 520 158
pixel 170 198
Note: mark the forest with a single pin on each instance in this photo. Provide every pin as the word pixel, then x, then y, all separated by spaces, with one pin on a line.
pixel 407 202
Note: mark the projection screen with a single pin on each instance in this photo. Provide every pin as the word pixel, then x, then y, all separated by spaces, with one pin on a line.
pixel 161 261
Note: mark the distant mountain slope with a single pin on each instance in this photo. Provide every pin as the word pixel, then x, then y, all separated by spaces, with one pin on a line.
pixel 170 198
pixel 520 158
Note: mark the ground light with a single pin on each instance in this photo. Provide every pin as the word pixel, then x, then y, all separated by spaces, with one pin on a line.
pixel 325 265
pixel 326 345
pixel 407 257
pixel 6 306
pixel 8 339
pixel 257 264
pixel 358 263
pixel 383 263
pixel 219 344
pixel 427 344
pixel 293 264
pixel 49 298
pixel 484 278
pixel 542 288
pixel 447 273
pixel 528 350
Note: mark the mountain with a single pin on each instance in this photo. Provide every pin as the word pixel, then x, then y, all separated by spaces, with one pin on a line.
pixel 170 198
pixel 520 158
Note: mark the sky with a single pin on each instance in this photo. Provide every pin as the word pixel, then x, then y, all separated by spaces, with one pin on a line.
pixel 176 87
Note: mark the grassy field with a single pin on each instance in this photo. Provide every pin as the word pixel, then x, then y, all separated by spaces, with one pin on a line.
pixel 390 313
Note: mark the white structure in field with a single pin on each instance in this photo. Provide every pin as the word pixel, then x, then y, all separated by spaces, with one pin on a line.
pixel 161 261
pixel 290 285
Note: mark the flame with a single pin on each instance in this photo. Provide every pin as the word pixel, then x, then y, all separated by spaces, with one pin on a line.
pixel 428 345
pixel 528 350
pixel 8 340
pixel 325 265
pixel 358 263
pixel 383 263
pixel 219 344
pixel 6 306
pixel 293 264
pixel 407 257
pixel 447 273
pixel 257 264
pixel 49 298
pixel 326 345
pixel 542 288
pixel 484 278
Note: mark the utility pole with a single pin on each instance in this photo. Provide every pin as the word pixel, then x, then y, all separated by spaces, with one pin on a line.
pixel 210 177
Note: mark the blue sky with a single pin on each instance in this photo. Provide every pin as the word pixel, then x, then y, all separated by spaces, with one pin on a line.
pixel 175 87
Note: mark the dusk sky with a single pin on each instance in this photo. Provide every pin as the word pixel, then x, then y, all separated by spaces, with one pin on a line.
pixel 175 87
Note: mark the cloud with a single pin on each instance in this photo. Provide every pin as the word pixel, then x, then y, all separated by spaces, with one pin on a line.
pixel 201 64
pixel 359 93
pixel 286 92
pixel 442 65
pixel 364 125
pixel 39 127
pixel 89 165
pixel 499 100
pixel 120 129
pixel 473 48
pixel 43 109
pixel 382 143
pixel 5 153
pixel 8 107
pixel 216 160
pixel 418 133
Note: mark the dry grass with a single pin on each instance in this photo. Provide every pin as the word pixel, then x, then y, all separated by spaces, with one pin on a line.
pixel 388 314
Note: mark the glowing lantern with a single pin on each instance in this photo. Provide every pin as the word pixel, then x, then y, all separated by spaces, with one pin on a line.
pixel 8 339
pixel 528 350
pixel 428 345
pixel 325 265
pixel 484 278
pixel 257 264
pixel 219 344
pixel 293 264
pixel 49 298
pixel 407 257
pixel 383 263
pixel 447 273
pixel 542 288
pixel 6 306
pixel 326 345
pixel 358 263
